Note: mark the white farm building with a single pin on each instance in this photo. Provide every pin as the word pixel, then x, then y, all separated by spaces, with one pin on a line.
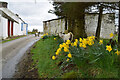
pixel 10 24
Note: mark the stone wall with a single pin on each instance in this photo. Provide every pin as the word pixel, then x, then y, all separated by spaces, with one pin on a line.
pixel 91 19
pixel 54 26
pixel 107 26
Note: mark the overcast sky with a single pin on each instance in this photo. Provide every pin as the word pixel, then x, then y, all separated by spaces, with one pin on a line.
pixel 32 12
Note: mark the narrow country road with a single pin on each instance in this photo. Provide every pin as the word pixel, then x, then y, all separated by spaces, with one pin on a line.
pixel 12 52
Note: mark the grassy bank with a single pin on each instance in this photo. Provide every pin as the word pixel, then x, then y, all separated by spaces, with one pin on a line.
pixel 42 52
pixel 12 38
pixel 89 60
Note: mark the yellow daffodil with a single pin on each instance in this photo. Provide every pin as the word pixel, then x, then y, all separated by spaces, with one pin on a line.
pixel 41 36
pixel 108 48
pixel 75 44
pixel 80 44
pixel 93 37
pixel 84 41
pixel 61 46
pixel 67 59
pixel 117 52
pixel 57 53
pixel 46 33
pixel 72 44
pixel 92 42
pixel 59 49
pixel 84 46
pixel 76 40
pixel 70 55
pixel 89 43
pixel 66 49
pixel 64 44
pixel 68 42
pixel 54 38
pixel 80 39
pixel 53 57
pixel 111 35
pixel 101 42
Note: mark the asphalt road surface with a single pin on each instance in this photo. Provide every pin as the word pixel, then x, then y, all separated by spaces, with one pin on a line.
pixel 12 52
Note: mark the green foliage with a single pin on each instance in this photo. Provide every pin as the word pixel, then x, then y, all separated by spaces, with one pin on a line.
pixel 71 74
pixel 96 57
pixel 44 49
pixel 91 62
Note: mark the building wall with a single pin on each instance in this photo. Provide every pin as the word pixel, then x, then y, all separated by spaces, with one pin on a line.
pixel 6 14
pixel 1 31
pixel 107 26
pixel 91 20
pixel 3 27
pixel 24 29
pixel 17 28
pixel 54 26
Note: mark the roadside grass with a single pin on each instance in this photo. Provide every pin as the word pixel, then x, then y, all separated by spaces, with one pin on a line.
pixel 44 49
pixel 12 38
pixel 91 62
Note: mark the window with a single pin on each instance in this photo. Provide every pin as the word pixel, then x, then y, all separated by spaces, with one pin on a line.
pixel 21 26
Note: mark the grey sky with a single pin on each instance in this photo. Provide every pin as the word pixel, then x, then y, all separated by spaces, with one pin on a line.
pixel 31 13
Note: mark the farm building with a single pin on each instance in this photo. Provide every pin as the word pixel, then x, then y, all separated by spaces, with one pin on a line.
pixel 10 24
pixel 55 26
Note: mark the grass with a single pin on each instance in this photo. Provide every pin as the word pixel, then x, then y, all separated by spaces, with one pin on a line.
pixel 92 62
pixel 12 38
pixel 42 53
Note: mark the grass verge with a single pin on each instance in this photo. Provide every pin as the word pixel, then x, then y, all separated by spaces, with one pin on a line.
pixel 42 52
pixel 91 62
pixel 12 38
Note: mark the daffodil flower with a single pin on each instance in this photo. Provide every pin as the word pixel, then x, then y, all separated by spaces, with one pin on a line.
pixel 54 38
pixel 108 48
pixel 67 59
pixel 117 52
pixel 53 57
pixel 101 42
pixel 70 55
pixel 111 34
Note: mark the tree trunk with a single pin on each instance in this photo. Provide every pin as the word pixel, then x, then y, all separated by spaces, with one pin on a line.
pixel 97 35
pixel 79 28
pixel 79 25
pixel 70 25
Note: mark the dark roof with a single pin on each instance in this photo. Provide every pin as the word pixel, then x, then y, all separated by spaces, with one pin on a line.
pixel 54 19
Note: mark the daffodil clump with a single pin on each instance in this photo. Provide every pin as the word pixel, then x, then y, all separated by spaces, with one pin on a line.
pixel 44 36
pixel 65 47
pixel 86 41
pixel 82 43
pixel 88 52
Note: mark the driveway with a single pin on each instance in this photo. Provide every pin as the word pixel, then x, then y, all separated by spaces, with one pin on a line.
pixel 12 52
